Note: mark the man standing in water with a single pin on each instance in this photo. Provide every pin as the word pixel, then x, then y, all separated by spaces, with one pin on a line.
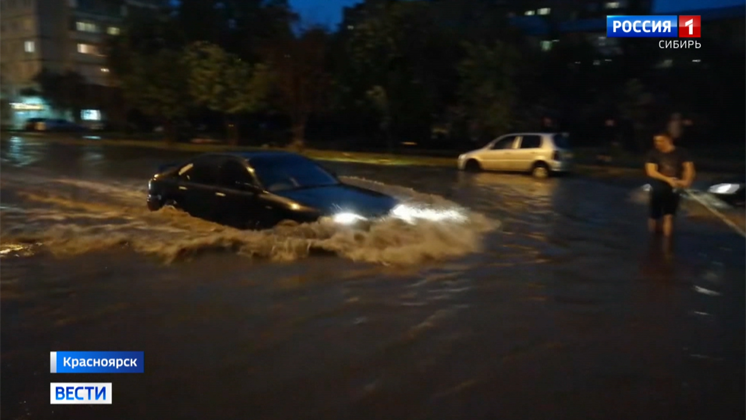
pixel 672 170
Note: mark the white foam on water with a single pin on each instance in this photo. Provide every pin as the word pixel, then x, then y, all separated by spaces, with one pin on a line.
pixel 74 216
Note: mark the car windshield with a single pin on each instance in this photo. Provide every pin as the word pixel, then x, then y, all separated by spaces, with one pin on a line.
pixel 561 141
pixel 291 173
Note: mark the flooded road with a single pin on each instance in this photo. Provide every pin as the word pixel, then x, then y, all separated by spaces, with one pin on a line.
pixel 552 302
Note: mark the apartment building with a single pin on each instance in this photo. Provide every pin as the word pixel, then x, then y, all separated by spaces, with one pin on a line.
pixel 59 36
pixel 576 20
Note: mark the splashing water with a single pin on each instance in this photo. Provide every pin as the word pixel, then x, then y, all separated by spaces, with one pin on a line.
pixel 74 216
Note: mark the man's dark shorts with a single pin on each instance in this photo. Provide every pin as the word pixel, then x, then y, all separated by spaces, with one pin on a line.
pixel 664 201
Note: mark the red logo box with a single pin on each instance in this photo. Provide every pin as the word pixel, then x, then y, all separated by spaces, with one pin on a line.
pixel 690 26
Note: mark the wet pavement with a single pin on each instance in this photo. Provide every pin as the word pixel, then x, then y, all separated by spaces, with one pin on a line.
pixel 553 303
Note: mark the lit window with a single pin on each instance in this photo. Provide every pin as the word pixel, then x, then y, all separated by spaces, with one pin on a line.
pixel 90 115
pixel 113 30
pixel 530 13
pixel 612 5
pixel 86 27
pixel 87 49
pixel 350 27
pixel 544 11
pixel 29 46
pixel 104 70
pixel 546 45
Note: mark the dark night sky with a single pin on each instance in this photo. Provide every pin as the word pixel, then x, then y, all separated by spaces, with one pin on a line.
pixel 329 12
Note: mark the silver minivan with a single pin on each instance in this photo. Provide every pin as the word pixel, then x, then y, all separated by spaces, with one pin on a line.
pixel 540 154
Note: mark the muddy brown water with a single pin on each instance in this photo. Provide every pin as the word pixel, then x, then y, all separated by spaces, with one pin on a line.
pixel 551 302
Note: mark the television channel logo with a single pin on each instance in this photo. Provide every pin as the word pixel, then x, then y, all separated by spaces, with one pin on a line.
pixel 96 362
pixel 690 26
pixel 658 26
pixel 80 393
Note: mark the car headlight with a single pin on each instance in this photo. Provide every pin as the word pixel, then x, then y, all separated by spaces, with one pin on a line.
pixel 347 218
pixel 724 188
pixel 411 213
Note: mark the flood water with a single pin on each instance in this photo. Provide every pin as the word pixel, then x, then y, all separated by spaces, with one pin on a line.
pixel 550 301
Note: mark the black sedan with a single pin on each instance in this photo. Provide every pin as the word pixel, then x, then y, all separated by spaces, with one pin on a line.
pixel 729 190
pixel 261 190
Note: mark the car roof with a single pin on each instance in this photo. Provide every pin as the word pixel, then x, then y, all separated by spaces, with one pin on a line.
pixel 547 133
pixel 248 156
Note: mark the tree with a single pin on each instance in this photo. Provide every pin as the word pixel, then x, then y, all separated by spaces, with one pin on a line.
pixel 156 85
pixel 395 49
pixel 488 91
pixel 635 107
pixel 237 26
pixel 224 83
pixel 300 80
pixel 144 61
pixel 64 91
pixel 379 97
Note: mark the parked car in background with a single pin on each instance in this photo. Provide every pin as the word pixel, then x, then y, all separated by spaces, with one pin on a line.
pixel 51 124
pixel 730 190
pixel 540 154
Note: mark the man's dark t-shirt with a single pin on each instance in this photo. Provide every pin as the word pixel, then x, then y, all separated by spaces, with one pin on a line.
pixel 670 164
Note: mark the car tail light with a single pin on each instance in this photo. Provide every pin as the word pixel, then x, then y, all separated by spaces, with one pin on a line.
pixel 557 156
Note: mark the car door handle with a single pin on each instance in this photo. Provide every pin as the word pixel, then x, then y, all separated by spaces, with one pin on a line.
pixel 219 194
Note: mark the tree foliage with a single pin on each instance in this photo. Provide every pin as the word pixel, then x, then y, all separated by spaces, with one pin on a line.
pixel 410 66
pixel 156 85
pixel 300 80
pixel 144 61
pixel 222 81
pixel 488 92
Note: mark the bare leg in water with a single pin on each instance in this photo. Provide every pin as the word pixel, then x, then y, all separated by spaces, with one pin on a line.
pixel 664 226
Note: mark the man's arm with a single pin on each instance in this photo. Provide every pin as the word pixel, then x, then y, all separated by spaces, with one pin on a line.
pixel 651 169
pixel 689 174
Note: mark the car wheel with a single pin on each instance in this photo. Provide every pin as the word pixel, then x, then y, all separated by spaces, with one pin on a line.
pixel 155 203
pixel 472 166
pixel 540 170
pixel 170 203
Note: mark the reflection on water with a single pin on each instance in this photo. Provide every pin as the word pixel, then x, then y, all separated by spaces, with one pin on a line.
pixel 15 153
pixel 659 263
